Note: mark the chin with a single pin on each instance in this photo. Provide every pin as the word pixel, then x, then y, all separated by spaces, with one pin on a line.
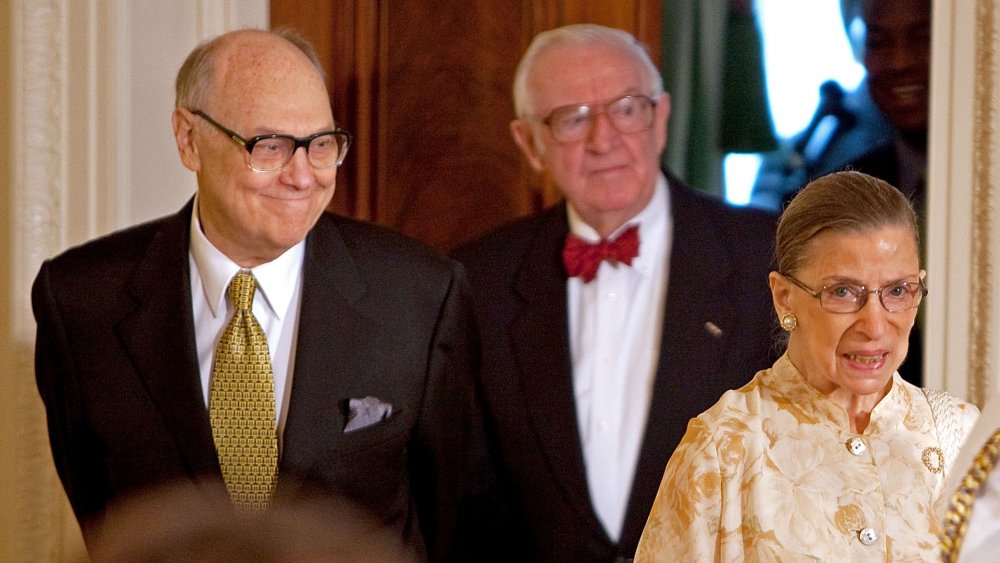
pixel 872 384
pixel 620 200
pixel 288 240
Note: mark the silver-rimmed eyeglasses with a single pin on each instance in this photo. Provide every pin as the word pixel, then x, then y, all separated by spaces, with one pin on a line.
pixel 273 151
pixel 850 298
pixel 628 114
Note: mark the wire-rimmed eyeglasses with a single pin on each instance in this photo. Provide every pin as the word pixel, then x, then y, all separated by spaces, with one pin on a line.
pixel 628 114
pixel 850 298
pixel 273 151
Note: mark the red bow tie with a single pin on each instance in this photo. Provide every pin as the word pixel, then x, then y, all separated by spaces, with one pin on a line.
pixel 583 258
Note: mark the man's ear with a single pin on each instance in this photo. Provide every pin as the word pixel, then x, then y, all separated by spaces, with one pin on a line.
pixel 183 122
pixel 524 136
pixel 661 114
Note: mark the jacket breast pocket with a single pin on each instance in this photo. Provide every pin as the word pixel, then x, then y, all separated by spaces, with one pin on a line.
pixel 369 465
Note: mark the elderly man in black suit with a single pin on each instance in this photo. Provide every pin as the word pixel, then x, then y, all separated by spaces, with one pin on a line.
pixel 611 319
pixel 360 386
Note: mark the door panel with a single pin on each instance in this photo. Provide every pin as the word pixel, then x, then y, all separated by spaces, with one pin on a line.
pixel 425 88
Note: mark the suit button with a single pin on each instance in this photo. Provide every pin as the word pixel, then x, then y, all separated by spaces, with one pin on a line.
pixel 868 536
pixel 856 446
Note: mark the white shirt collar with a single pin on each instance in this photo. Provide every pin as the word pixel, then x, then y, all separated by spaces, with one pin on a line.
pixel 276 279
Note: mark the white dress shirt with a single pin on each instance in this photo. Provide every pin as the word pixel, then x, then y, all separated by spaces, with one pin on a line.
pixel 615 324
pixel 275 306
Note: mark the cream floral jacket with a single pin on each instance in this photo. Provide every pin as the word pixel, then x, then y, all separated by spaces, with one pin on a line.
pixel 773 472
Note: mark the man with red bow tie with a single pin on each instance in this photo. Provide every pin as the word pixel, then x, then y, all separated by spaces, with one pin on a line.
pixel 610 320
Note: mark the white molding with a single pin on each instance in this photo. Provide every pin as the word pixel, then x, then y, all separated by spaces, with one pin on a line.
pixel 91 150
pixel 39 222
pixel 121 34
pixel 961 341
pixel 39 131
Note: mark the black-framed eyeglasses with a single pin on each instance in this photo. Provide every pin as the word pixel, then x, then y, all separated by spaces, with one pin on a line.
pixel 850 298
pixel 628 114
pixel 273 151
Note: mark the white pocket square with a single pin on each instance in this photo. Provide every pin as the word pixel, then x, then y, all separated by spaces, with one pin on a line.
pixel 362 413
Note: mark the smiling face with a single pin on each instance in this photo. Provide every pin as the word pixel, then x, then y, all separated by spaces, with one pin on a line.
pixel 262 84
pixel 850 356
pixel 897 57
pixel 608 177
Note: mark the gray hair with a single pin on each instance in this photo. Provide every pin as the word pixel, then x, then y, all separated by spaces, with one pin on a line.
pixel 580 34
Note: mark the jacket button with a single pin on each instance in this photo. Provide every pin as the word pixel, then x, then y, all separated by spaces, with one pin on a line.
pixel 868 536
pixel 856 446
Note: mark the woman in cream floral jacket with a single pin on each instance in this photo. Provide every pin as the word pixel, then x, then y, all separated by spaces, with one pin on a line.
pixel 829 455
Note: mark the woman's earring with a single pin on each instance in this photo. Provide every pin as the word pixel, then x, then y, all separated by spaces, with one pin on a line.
pixel 789 322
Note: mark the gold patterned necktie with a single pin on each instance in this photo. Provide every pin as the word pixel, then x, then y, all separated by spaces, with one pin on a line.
pixel 956 520
pixel 241 403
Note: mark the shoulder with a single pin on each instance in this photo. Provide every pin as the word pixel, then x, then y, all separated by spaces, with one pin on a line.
pixel 726 430
pixel 393 267
pixel 703 220
pixel 109 257
pixel 953 420
pixel 685 199
pixel 375 245
pixel 743 400
pixel 735 410
pixel 943 403
pixel 383 274
pixel 536 241
pixel 515 237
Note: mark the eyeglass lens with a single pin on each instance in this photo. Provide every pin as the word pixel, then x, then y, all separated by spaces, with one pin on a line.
pixel 273 152
pixel 629 114
pixel 846 298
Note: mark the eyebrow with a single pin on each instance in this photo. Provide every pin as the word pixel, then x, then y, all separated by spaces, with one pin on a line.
pixel 831 280
pixel 629 92
pixel 275 131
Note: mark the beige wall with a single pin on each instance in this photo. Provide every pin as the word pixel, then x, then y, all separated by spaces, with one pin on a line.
pixel 84 136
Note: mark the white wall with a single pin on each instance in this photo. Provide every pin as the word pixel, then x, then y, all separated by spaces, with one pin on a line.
pixel 153 41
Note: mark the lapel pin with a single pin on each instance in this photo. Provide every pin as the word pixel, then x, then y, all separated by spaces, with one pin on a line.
pixel 713 329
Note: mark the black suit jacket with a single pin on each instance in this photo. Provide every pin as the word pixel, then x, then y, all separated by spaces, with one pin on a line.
pixel 718 273
pixel 381 315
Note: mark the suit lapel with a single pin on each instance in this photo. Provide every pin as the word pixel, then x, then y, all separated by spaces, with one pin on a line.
pixel 159 336
pixel 331 287
pixel 540 336
pixel 699 271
